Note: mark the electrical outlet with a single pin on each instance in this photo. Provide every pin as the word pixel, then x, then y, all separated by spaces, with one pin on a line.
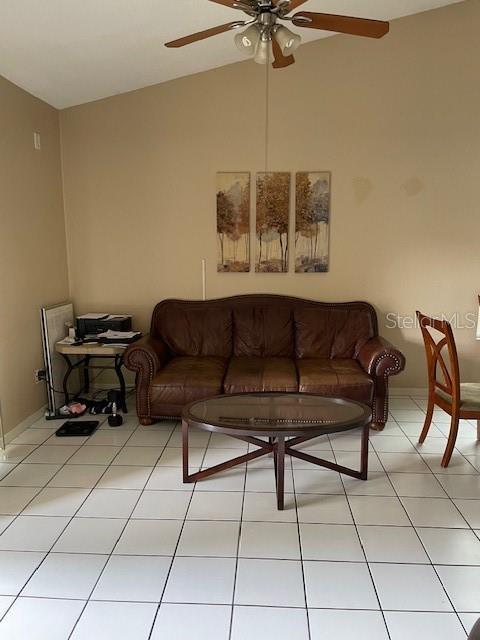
pixel 39 375
pixel 37 141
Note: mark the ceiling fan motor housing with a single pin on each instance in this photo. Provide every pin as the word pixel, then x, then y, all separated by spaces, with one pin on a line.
pixel 267 19
pixel 265 5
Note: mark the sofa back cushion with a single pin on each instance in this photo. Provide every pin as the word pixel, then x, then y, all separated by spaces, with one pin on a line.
pixel 263 331
pixel 333 331
pixel 193 329
pixel 264 325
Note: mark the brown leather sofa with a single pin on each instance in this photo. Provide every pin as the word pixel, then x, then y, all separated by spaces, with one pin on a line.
pixel 261 343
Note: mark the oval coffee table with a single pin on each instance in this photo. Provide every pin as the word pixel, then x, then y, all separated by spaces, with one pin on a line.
pixel 275 423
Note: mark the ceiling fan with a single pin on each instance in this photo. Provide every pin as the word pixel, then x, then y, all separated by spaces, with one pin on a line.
pixel 265 36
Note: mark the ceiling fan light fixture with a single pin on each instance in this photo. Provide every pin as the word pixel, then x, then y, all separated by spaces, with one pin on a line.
pixel 247 41
pixel 288 41
pixel 263 54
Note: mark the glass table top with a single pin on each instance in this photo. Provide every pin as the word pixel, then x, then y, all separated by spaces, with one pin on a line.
pixel 278 411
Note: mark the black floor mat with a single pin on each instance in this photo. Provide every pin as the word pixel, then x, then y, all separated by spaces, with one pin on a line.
pixel 77 428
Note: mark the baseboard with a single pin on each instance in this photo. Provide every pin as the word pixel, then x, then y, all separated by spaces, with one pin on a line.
pixel 24 424
pixel 416 392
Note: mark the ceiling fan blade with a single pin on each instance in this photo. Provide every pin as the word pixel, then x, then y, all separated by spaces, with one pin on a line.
pixel 341 24
pixel 293 4
pixel 243 5
pixel 226 3
pixel 280 61
pixel 201 35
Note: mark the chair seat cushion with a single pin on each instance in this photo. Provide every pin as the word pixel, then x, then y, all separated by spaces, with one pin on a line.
pixel 469 396
pixel 341 378
pixel 188 378
pixel 251 374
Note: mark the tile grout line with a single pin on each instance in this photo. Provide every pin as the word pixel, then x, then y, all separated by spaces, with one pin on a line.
pixel 292 560
pixel 90 490
pixel 254 606
pixel 309 630
pixel 230 630
pixel 47 553
pixel 71 519
pixel 128 519
pixel 363 548
pixel 427 554
pixel 152 626
pixel 447 497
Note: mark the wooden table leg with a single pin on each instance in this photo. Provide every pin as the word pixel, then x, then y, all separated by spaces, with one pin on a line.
pixel 274 456
pixel 280 471
pixel 185 451
pixel 364 453
pixel 362 474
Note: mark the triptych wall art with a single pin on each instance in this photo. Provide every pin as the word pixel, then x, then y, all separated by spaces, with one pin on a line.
pixel 233 222
pixel 272 223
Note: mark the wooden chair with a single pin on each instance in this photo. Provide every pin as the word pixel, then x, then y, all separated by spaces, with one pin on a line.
pixel 461 400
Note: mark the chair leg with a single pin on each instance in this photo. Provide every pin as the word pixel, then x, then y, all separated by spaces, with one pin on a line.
pixel 428 419
pixel 452 437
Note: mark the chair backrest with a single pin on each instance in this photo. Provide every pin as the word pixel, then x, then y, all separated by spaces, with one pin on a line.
pixel 435 359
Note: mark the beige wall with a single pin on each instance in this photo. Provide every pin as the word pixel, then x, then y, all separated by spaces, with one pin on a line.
pixel 33 268
pixel 397 123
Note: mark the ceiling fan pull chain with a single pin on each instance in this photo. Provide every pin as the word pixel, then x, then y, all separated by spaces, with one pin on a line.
pixel 267 110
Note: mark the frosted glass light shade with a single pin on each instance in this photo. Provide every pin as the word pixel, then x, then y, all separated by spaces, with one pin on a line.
pixel 263 54
pixel 247 41
pixel 288 41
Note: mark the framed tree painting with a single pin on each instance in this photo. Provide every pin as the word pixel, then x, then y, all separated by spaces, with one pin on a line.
pixel 273 206
pixel 233 222
pixel 312 221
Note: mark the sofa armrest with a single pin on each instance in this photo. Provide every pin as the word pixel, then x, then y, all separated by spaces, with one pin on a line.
pixel 146 356
pixel 378 357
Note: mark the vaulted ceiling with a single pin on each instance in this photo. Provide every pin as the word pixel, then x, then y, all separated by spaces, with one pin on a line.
pixel 69 52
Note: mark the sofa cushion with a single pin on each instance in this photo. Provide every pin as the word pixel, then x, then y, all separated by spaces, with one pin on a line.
pixel 186 379
pixel 263 331
pixel 341 378
pixel 327 332
pixel 261 374
pixel 188 330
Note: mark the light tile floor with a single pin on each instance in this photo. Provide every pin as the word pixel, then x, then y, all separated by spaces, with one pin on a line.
pixel 99 538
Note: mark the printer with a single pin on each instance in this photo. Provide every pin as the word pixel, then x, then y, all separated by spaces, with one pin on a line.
pixel 91 324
